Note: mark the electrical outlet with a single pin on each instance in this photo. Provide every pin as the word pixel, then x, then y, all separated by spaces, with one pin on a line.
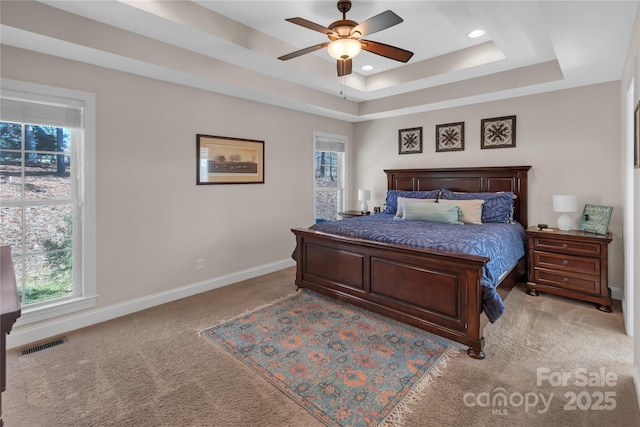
pixel 199 264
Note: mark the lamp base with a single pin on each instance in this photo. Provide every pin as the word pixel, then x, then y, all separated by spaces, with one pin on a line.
pixel 565 222
pixel 364 208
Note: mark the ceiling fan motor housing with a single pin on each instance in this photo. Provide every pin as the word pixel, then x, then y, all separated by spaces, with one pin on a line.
pixel 344 6
pixel 343 29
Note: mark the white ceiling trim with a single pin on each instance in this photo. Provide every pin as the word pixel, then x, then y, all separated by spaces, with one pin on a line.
pixel 531 47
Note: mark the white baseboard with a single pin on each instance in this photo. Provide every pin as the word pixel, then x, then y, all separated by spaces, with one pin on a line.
pixel 22 336
pixel 617 293
pixel 628 324
pixel 636 381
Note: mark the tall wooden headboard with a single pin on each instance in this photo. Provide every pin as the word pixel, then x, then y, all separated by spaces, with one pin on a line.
pixel 480 179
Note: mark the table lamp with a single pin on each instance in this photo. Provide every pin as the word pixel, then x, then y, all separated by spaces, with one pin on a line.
pixel 564 204
pixel 364 195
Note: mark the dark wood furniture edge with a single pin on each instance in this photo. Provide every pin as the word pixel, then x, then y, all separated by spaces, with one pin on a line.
pixel 463 323
pixel 469 267
pixel 602 303
pixel 353 213
pixel 9 311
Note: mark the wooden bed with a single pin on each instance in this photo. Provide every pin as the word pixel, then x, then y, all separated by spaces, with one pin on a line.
pixel 436 291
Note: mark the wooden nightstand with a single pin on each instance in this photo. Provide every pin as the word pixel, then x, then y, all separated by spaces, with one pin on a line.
pixel 571 264
pixel 351 214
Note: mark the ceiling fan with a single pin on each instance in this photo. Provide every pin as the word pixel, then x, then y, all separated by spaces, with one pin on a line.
pixel 346 42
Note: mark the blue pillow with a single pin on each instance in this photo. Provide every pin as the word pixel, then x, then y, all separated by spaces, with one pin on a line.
pixel 497 207
pixel 392 198
pixel 432 212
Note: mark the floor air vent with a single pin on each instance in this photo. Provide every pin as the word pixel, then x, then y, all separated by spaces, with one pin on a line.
pixel 42 346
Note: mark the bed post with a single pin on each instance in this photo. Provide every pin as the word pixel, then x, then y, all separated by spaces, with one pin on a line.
pixel 474 331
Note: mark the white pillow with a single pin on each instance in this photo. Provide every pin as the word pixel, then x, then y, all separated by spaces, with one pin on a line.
pixel 399 213
pixel 471 209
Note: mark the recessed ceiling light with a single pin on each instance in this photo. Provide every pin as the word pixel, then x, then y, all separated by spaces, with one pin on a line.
pixel 475 34
pixel 367 67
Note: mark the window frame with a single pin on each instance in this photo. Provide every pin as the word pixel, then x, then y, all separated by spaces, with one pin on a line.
pixel 322 137
pixel 84 251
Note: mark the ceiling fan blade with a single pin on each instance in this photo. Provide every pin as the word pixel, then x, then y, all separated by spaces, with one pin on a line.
pixel 376 23
pixel 387 51
pixel 344 67
pixel 310 25
pixel 303 51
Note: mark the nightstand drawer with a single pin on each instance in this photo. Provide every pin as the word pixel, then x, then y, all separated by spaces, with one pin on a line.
pixel 574 282
pixel 563 262
pixel 566 246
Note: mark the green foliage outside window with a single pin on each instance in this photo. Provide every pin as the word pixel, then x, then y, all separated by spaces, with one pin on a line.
pixel 60 258
pixel 34 166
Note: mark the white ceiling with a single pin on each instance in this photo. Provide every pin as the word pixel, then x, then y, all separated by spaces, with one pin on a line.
pixel 231 47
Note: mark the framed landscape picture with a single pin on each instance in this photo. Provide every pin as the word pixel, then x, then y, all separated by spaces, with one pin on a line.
pixel 450 137
pixel 498 132
pixel 410 141
pixel 223 160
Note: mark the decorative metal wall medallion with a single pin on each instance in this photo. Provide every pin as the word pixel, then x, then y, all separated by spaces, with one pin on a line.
pixel 410 141
pixel 450 137
pixel 498 132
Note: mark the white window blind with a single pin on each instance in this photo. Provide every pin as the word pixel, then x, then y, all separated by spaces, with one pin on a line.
pixel 15 107
pixel 326 144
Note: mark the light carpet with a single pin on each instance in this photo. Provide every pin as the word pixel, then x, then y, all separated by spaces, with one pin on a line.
pixel 150 369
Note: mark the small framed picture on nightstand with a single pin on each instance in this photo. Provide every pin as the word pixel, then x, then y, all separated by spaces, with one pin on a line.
pixel 595 219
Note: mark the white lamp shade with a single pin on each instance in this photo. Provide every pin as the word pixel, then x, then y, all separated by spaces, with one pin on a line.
pixel 364 195
pixel 344 48
pixel 565 203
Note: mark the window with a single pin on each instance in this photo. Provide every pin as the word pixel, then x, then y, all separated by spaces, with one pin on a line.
pixel 329 179
pixel 47 196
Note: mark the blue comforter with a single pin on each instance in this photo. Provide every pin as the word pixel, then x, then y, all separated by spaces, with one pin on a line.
pixel 503 244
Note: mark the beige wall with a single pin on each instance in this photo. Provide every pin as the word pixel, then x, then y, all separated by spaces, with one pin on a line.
pixel 570 138
pixel 153 221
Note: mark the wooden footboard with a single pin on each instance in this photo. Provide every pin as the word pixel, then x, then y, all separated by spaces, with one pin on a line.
pixel 432 290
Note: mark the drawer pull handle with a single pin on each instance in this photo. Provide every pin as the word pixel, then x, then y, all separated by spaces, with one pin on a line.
pixel 565 262
pixel 565 246
pixel 565 280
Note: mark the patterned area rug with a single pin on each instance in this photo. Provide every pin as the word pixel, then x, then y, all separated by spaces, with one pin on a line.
pixel 346 366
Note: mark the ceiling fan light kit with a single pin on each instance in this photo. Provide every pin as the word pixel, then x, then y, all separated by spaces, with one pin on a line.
pixel 344 48
pixel 345 36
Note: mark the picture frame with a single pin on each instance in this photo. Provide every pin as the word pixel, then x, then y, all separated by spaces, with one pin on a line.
pixel 498 132
pixel 636 144
pixel 595 219
pixel 410 141
pixel 450 137
pixel 225 160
